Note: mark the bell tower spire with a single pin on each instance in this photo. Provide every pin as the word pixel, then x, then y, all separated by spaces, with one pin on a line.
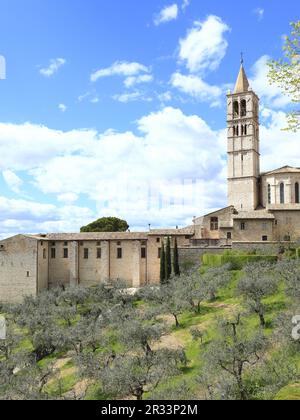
pixel 243 145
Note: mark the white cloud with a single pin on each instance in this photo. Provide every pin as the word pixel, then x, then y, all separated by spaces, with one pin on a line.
pixel 196 87
pixel 167 14
pixel 136 80
pixel 205 45
pixel 259 12
pixel 131 97
pixel 12 181
pixel 271 95
pixel 117 171
pixel 185 4
pixel 172 169
pixel 62 107
pixel 120 68
pixel 279 148
pixel 53 67
pixel 68 198
pixel 21 216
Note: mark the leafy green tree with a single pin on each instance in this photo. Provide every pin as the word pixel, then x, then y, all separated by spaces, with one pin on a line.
pixel 162 264
pixel 176 267
pixel 285 74
pixel 229 358
pixel 258 282
pixel 168 258
pixel 136 374
pixel 106 224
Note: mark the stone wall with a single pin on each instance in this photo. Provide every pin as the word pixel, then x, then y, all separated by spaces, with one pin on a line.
pixel 189 257
pixel 18 268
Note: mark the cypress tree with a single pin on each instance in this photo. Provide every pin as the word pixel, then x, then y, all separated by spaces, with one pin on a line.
pixel 162 264
pixel 168 264
pixel 176 260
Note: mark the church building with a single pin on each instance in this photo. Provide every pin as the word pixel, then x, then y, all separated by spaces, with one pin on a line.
pixel 263 210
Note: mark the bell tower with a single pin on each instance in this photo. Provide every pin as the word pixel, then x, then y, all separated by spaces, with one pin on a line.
pixel 243 145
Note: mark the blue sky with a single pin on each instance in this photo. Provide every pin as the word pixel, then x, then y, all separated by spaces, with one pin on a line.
pixel 118 107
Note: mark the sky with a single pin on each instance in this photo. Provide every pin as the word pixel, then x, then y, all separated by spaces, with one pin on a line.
pixel 118 108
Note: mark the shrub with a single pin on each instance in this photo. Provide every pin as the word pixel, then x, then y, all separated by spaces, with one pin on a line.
pixel 236 262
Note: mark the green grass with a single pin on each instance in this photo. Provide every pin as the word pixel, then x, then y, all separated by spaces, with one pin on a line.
pixel 289 393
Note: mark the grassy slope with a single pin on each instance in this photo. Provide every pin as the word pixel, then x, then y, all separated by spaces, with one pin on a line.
pixel 226 303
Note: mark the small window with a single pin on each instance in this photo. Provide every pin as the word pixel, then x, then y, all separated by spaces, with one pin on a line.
pixel 214 223
pixel 119 253
pixel 65 243
pixel 81 243
pixel 265 239
pixel 86 253
pixel 99 253
pixel 28 274
pixel 144 253
pixel 53 253
pixel 42 243
pixel 159 253
pixel 287 238
pixel 243 226
pixel 269 194
pixel 158 240
pixel 236 109
pixel 66 253
pixel 243 108
pixel 119 243
pixel 53 244
pixel 98 243
pixel 245 130
pixel 229 235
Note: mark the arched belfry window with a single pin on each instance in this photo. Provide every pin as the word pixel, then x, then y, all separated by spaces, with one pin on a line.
pixel 236 109
pixel 269 194
pixel 297 193
pixel 243 108
pixel 282 193
pixel 237 131
pixel 245 130
pixel 234 131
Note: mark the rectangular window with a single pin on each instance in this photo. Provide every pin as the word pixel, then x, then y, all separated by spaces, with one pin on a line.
pixel 98 243
pixel 243 226
pixel 65 243
pixel 28 274
pixel 144 253
pixel 214 223
pixel 158 240
pixel 229 235
pixel 119 254
pixel 86 253
pixel 265 239
pixel 159 253
pixel 53 253
pixel 66 253
pixel 99 253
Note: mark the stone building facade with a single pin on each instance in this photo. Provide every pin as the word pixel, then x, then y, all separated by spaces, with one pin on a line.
pixel 263 209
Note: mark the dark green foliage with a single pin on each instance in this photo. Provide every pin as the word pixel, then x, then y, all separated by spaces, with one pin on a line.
pixel 168 259
pixel 162 264
pixel 237 261
pixel 176 267
pixel 106 224
pixel 258 282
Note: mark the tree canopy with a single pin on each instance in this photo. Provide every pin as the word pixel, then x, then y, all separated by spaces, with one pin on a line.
pixel 106 224
pixel 285 73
